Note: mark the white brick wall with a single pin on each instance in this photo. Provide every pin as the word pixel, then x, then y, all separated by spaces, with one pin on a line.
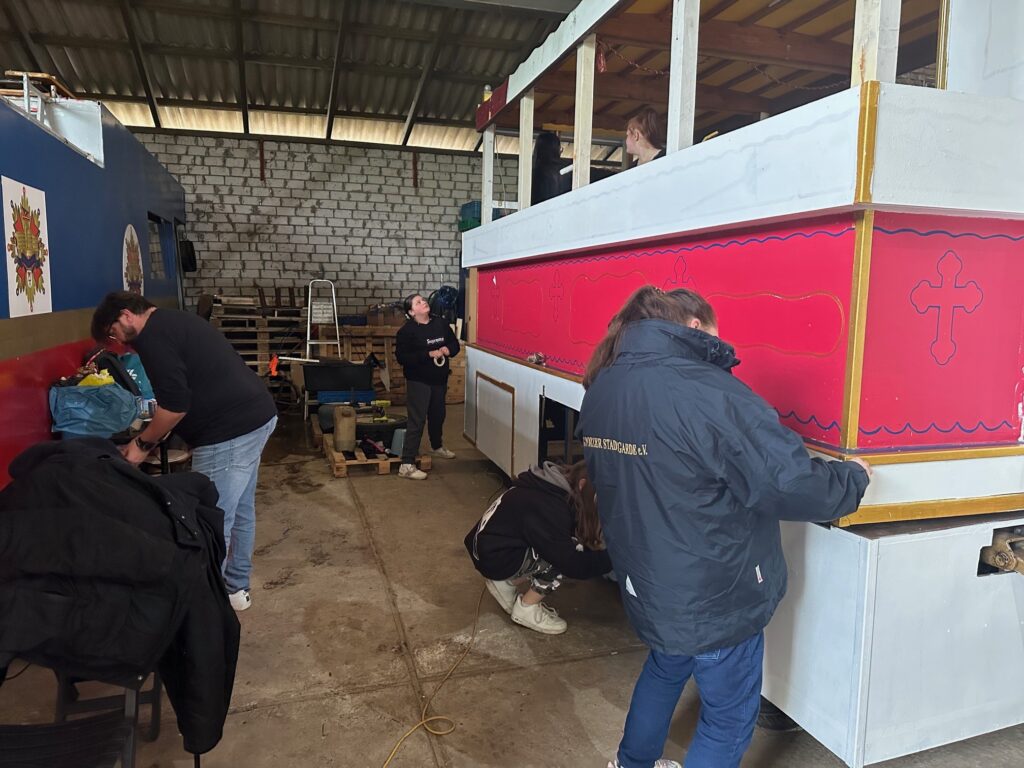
pixel 350 214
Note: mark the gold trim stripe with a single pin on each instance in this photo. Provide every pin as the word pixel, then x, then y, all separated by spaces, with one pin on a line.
pixel 527 364
pixel 942 47
pixel 867 131
pixel 921 457
pixel 865 226
pixel 927 510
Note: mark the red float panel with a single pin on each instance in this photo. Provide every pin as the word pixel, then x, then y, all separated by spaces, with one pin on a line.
pixel 782 294
pixel 24 390
pixel 944 343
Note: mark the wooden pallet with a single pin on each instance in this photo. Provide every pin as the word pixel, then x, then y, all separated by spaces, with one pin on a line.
pixel 340 462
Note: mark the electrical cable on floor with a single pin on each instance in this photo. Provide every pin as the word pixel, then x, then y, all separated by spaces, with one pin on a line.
pixel 425 721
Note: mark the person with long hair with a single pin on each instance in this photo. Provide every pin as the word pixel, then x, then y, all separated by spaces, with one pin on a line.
pixel 645 136
pixel 548 179
pixel 423 347
pixel 541 530
pixel 694 472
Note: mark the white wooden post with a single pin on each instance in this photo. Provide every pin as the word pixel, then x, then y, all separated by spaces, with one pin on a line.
pixel 583 128
pixel 682 82
pixel 876 40
pixel 525 149
pixel 487 196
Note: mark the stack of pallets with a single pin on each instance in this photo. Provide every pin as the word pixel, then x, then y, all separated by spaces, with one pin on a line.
pixel 258 332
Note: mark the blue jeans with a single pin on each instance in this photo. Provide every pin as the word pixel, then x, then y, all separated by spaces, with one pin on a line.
pixel 730 695
pixel 233 467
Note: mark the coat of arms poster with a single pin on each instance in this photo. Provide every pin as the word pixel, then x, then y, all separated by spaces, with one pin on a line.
pixel 26 240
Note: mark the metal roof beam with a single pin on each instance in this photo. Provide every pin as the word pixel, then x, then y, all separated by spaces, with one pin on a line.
pixel 726 40
pixel 317 23
pixel 140 61
pixel 201 104
pixel 429 63
pixel 22 35
pixel 332 98
pixel 533 8
pixel 243 91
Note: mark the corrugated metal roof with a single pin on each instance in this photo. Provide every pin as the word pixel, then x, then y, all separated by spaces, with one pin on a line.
pixel 192 56
pixel 196 53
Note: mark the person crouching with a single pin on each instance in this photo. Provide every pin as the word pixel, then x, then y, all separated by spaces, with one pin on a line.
pixel 542 529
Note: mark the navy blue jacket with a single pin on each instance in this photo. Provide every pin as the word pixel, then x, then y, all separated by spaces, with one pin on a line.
pixel 693 472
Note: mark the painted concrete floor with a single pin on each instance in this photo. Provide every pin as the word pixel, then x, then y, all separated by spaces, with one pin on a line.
pixel 363 597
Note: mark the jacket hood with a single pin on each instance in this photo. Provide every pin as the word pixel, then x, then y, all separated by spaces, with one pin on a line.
pixel 668 339
pixel 545 477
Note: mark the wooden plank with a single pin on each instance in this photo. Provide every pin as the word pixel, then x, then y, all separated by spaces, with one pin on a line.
pixel 682 88
pixel 735 42
pixel 573 29
pixel 876 39
pixel 651 90
pixel 583 131
pixel 525 150
pixel 487 193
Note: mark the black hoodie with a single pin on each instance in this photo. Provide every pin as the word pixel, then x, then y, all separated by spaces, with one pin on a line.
pixel 413 344
pixel 533 513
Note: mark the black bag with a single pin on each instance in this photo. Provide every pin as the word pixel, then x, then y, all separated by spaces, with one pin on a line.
pixel 104 358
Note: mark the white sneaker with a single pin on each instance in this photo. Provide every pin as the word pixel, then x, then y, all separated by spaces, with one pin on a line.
pixel 660 763
pixel 409 472
pixel 240 600
pixel 538 617
pixel 504 593
pixel 442 453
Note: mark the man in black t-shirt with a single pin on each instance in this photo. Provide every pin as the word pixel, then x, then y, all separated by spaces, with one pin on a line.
pixel 209 397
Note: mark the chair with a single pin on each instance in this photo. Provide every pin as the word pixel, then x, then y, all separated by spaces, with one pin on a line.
pixel 99 741
pixel 69 703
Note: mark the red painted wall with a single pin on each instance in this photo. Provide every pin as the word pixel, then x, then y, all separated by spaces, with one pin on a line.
pixel 944 344
pixel 782 295
pixel 24 389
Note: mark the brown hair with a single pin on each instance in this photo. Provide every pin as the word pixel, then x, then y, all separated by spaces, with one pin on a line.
pixel 583 501
pixel 648 303
pixel 650 124
pixel 113 304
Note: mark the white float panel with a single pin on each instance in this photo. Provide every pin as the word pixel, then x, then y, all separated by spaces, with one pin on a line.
pixel 529 385
pixel 985 53
pixel 743 176
pixel 943 152
pixel 889 643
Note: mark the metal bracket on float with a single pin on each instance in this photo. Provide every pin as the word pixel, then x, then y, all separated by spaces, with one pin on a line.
pixel 1006 552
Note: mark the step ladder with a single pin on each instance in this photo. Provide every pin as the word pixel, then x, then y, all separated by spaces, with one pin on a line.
pixel 321 311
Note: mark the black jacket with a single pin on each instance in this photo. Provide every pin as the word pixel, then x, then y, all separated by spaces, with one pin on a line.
pixel 106 572
pixel 413 344
pixel 693 472
pixel 533 513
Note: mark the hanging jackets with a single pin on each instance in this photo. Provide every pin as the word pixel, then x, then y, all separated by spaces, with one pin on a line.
pixel 106 572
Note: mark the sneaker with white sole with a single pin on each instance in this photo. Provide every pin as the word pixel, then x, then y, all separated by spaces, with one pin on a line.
pixel 442 453
pixel 409 472
pixel 240 600
pixel 504 593
pixel 538 617
pixel 659 763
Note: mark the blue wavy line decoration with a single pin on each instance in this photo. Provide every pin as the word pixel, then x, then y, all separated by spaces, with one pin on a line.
pixel 934 427
pixel 686 248
pixel 945 233
pixel 812 419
